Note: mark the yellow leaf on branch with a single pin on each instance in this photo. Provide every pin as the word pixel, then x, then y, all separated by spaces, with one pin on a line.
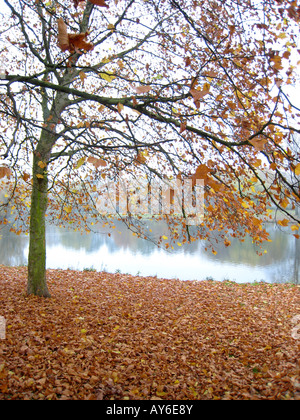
pixel 111 27
pixel 245 205
pixel 284 203
pixel 120 107
pixel 80 163
pixel 283 222
pixel 107 76
pixel 257 163
pixel 42 164
pixel 68 209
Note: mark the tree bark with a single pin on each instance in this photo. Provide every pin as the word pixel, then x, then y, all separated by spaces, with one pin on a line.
pixel 39 197
pixel 37 284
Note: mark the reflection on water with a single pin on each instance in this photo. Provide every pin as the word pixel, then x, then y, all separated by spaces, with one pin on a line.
pixel 124 252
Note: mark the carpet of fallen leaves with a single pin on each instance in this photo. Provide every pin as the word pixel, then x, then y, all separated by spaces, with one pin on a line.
pixel 114 336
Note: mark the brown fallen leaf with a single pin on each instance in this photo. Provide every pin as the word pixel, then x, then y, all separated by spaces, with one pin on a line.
pixel 113 336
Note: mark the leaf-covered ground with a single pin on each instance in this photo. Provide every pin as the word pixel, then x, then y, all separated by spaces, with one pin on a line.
pixel 114 336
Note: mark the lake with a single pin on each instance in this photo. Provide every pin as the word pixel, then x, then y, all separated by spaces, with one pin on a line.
pixel 125 253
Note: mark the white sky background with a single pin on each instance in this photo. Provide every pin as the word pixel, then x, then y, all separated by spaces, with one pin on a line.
pixel 292 91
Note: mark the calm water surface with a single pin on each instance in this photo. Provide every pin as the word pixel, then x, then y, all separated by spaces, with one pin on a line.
pixel 127 254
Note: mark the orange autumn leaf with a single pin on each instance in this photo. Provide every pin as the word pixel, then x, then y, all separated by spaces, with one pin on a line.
pixel 227 242
pixel 199 94
pixel 142 89
pixel 42 164
pixel 140 159
pixel 4 171
pixel 202 171
pixel 284 203
pixel 96 162
pixel 100 3
pixel 257 163
pixel 76 2
pixel 72 42
pixel 63 38
pixel 82 76
pixel 259 144
pixel 183 126
pixel 283 222
pixel 78 42
pixel 25 177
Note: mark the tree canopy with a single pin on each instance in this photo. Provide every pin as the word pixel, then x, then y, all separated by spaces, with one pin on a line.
pixel 155 90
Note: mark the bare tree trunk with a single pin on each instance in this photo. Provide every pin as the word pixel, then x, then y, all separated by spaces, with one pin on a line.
pixel 37 245
pixel 39 198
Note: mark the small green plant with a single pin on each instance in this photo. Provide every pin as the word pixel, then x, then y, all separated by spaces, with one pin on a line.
pixel 90 269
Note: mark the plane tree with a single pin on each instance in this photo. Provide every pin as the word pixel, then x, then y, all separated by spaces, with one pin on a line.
pixel 92 91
